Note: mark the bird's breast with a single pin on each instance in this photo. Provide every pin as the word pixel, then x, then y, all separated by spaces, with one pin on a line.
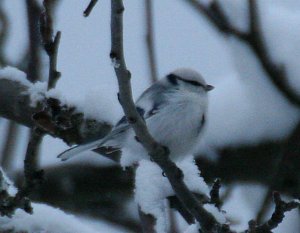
pixel 177 126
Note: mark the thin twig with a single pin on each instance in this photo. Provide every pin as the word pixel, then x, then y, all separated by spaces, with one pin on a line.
pixel 89 8
pixel 8 203
pixel 32 175
pixel 3 33
pixel 54 75
pixel 265 205
pixel 150 40
pixel 215 194
pixel 50 45
pixel 34 65
pixel 284 170
pixel 7 158
pixel 281 207
pixel 216 16
pixel 254 39
pixel 157 152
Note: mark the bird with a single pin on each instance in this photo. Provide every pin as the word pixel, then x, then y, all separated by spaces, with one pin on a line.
pixel 174 110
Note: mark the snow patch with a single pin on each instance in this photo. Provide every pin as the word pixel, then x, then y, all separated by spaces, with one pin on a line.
pixel 14 74
pixel 44 219
pixel 219 216
pixel 194 228
pixel 152 188
pixel 6 184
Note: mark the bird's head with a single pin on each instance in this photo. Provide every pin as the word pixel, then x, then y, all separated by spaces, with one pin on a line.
pixel 188 80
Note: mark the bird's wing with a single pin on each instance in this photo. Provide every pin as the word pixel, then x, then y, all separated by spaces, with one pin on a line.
pixel 147 106
pixel 70 153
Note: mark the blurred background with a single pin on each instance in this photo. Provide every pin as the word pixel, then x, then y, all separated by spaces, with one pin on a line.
pixel 252 139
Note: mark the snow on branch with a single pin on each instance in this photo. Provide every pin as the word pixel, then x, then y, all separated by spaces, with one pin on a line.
pixel 205 215
pixel 157 152
pixel 152 189
pixel 10 199
pixel 57 117
pixel 19 215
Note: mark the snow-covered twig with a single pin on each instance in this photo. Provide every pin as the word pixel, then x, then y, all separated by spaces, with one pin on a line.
pixel 10 200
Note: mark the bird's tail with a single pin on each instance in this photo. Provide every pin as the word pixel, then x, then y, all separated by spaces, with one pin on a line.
pixel 70 153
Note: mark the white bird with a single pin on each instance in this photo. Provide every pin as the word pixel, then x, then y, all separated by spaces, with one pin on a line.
pixel 174 109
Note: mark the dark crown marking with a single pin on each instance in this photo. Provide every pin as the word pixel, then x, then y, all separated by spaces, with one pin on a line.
pixel 173 79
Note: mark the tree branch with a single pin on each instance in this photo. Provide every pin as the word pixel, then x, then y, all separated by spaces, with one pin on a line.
pixel 57 119
pixel 254 39
pixel 147 221
pixel 89 8
pixel 4 24
pixel 33 14
pixel 156 151
pixel 277 217
pixel 9 146
pixel 215 193
pixel 50 44
pixel 150 40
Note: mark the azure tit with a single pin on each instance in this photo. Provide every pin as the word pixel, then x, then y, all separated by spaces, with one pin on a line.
pixel 174 110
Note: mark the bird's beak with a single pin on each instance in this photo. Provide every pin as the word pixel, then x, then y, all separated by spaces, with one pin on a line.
pixel 209 87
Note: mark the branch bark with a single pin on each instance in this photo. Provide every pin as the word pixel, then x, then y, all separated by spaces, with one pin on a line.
pixel 89 8
pixel 57 119
pixel 34 65
pixel 150 40
pixel 4 24
pixel 156 151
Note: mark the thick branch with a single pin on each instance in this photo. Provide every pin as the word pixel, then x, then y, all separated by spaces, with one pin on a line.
pixel 157 152
pixel 58 120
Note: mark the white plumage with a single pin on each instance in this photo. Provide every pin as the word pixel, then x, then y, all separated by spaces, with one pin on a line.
pixel 174 110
